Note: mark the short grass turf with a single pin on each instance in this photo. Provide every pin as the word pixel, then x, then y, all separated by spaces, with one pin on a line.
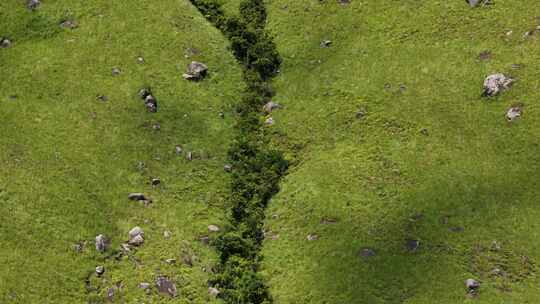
pixel 69 160
pixel 428 158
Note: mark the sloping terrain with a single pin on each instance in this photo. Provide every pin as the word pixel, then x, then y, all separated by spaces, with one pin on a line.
pixel 403 180
pixel 70 159
pixel 394 145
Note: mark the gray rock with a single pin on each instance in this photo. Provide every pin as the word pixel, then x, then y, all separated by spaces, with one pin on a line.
pixel 178 149
pixel 213 292
pixel 227 168
pixel 151 103
pixel 189 156
pixel 366 253
pixel 156 181
pixel 474 3
pixel 140 60
pixel 271 106
pixel 167 234
pixel 412 245
pixel 100 270
pixel 213 228
pixel 102 98
pixel 165 286
pixel 110 294
pixel 69 24
pixel 494 84
pixel 102 243
pixel 326 43
pixel 472 286
pixel 136 236
pixel 5 43
pixel 135 196
pixel 144 92
pixel 312 237
pixel 170 261
pixel 116 71
pixel 196 71
pixel 33 4
pixel 136 241
pixel 144 285
pixel 205 239
pixel 269 121
pixel 514 113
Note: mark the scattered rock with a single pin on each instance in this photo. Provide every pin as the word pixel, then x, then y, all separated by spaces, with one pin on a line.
pixel 495 246
pixel 472 286
pixel 513 113
pixel 69 24
pixel 144 92
pixel 361 113
pixel 100 270
pixel 102 243
pixel 328 220
pixel 5 43
pixel 326 43
pixel 144 285
pixel 344 2
pixel 221 115
pixel 79 247
pixel 189 156
pixel 366 253
pixel 516 66
pixel 140 60
pixel 136 236
pixel 110 294
pixel 196 71
pixel 213 292
pixel 156 182
pixel 170 261
pixel 496 272
pixel 475 3
pixel 412 245
pixel 424 132
pixel 213 228
pixel 178 149
pixel 166 286
pixel 102 98
pixel 135 196
pixel 227 168
pixel 167 234
pixel 312 237
pixel 205 240
pixel 269 121
pixel 125 248
pixel 151 103
pixel 271 106
pixel 456 229
pixel 116 71
pixel 33 4
pixel 484 55
pixel 156 126
pixel 496 83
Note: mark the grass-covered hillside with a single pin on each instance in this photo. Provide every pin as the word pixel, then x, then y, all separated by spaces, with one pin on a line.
pixel 394 144
pixel 69 159
pixel 403 181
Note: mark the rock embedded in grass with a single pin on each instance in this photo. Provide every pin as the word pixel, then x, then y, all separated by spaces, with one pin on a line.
pixel 69 24
pixel 496 83
pixel 33 4
pixel 196 71
pixel 366 253
pixel 102 243
pixel 269 121
pixel 137 196
pixel 213 292
pixel 144 285
pixel 151 103
pixel 472 286
pixel 100 270
pixel 412 244
pixel 167 234
pixel 116 71
pixel 271 106
pixel 227 168
pixel 136 236
pixel 213 228
pixel 513 113
pixel 326 43
pixel 140 60
pixel 312 237
pixel 484 55
pixel 5 43
pixel 166 286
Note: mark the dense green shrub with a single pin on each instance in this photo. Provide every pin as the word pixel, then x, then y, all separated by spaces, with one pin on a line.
pixel 257 167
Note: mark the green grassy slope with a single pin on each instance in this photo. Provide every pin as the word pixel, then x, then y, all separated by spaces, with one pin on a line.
pixel 409 65
pixel 69 160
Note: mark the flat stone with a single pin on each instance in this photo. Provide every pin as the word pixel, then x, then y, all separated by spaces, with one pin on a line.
pixel 213 228
pixel 166 286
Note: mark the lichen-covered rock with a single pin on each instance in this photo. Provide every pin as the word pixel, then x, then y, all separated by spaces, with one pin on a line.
pixel 494 84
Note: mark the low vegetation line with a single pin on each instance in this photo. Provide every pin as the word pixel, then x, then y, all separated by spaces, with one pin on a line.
pixel 257 167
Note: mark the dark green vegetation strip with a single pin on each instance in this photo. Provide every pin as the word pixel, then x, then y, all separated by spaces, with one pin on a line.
pixel 257 167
